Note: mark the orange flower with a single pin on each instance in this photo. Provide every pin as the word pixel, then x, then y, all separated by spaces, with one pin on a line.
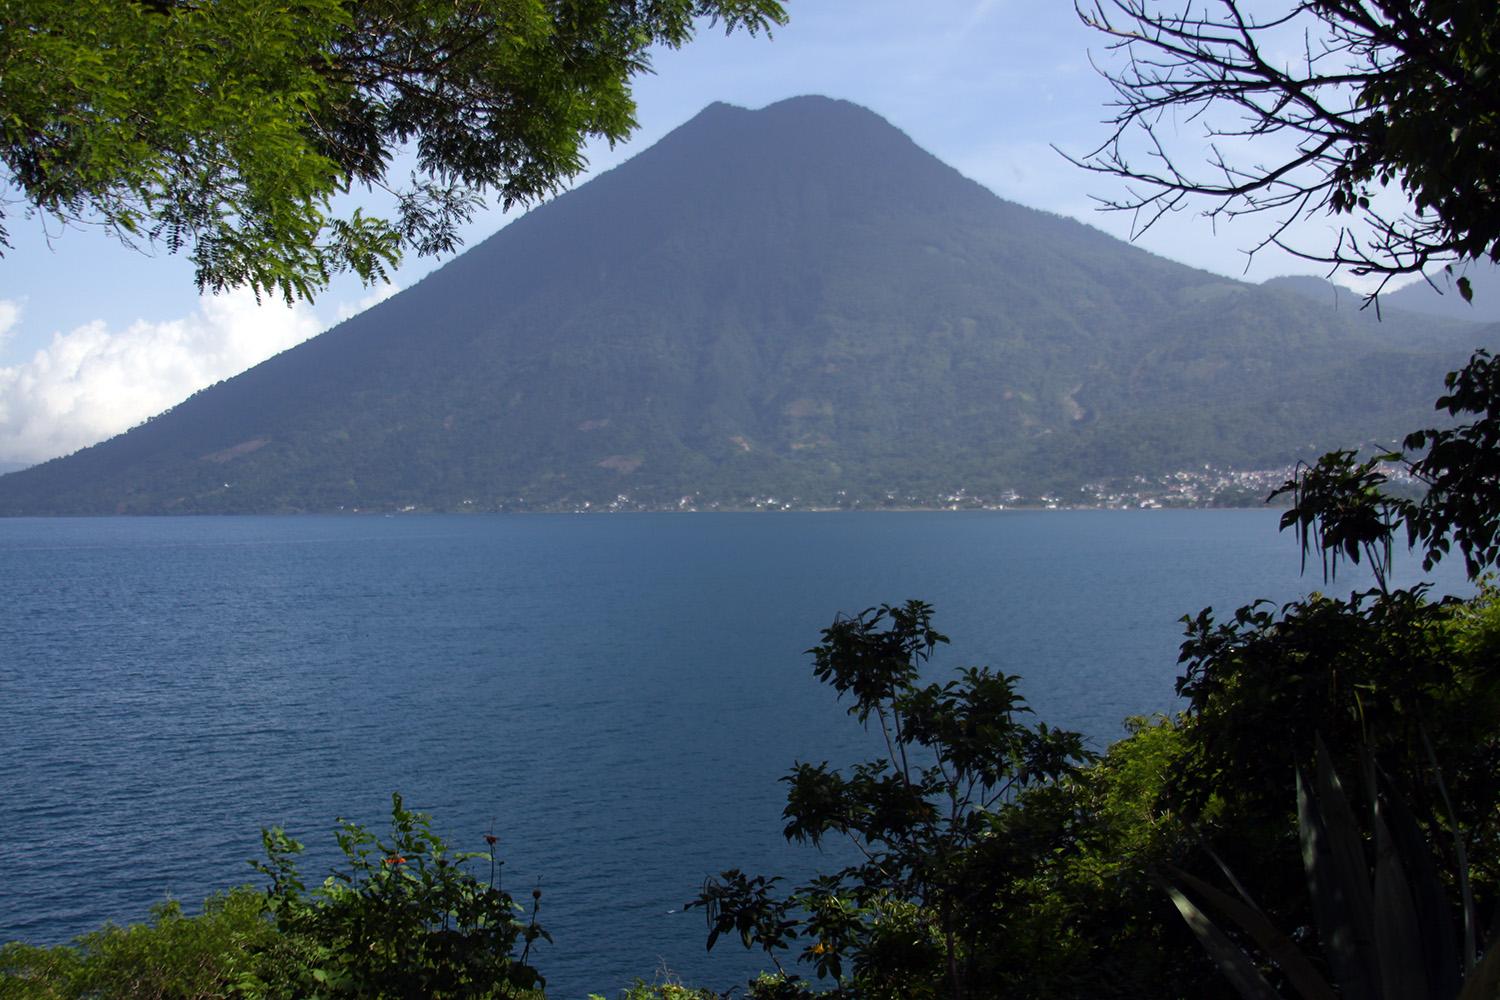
pixel 395 859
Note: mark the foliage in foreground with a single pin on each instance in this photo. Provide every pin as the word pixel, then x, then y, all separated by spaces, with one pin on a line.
pixel 1388 934
pixel 999 862
pixel 403 918
pixel 228 127
pixel 172 956
pixel 933 822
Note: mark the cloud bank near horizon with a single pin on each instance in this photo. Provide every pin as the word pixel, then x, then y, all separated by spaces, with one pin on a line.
pixel 91 383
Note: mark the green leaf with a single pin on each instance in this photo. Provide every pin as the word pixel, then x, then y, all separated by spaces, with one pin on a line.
pixel 1277 946
pixel 1331 898
pixel 1231 959
pixel 1483 983
pixel 1398 937
pixel 1440 951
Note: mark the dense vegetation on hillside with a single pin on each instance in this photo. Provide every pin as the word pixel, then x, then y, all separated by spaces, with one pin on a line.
pixel 1001 861
pixel 794 302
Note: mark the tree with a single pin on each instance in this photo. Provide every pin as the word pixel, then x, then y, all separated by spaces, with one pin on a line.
pixel 1403 690
pixel 1379 93
pixel 225 128
pixel 915 917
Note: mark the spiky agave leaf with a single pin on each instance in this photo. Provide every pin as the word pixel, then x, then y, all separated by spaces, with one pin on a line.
pixel 1277 946
pixel 1231 958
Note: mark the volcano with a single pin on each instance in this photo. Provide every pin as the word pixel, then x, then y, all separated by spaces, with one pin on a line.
pixel 794 302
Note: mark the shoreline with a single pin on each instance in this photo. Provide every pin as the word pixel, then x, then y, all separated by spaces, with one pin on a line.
pixel 607 511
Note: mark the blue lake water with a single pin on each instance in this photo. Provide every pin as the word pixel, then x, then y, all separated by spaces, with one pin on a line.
pixel 615 696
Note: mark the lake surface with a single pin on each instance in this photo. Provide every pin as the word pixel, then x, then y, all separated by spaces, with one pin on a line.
pixel 615 696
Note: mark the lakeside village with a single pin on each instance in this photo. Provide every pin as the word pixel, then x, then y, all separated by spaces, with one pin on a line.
pixel 1188 488
pixel 1205 487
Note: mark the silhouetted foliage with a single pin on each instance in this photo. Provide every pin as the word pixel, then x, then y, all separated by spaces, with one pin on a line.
pixel 915 917
pixel 1342 99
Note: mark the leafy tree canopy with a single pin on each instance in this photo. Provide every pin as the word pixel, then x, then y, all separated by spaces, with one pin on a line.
pixel 225 128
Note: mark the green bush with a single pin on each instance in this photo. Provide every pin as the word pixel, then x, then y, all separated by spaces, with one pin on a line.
pixel 171 957
pixel 666 988
pixel 402 919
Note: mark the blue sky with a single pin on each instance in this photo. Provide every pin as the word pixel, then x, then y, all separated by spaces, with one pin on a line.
pixel 95 337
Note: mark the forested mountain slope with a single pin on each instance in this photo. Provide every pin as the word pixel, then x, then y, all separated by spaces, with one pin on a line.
pixel 796 301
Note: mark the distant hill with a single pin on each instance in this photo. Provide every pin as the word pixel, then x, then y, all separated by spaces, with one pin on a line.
pixel 794 302
pixel 1439 297
pixel 1436 296
pixel 1319 290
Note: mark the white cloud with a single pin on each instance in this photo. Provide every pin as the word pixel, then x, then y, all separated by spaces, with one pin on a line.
pixel 92 382
pixel 10 315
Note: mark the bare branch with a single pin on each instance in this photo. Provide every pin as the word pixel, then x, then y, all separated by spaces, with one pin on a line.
pixel 1380 93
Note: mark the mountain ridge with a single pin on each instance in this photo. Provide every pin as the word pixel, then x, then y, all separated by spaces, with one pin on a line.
pixel 795 301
